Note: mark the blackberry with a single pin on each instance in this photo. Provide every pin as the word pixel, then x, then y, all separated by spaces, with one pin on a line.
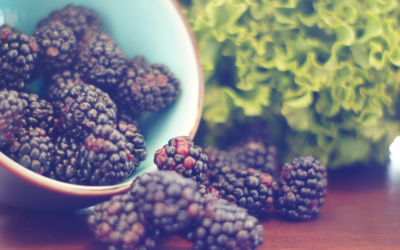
pixel 67 161
pixel 182 156
pixel 32 149
pixel 124 116
pixel 222 225
pixel 302 188
pixel 101 62
pixel 136 145
pixel 11 113
pixel 57 46
pixel 147 87
pixel 120 224
pixel 167 200
pixel 249 189
pixel 38 113
pixel 109 158
pixel 258 156
pixel 78 18
pixel 81 108
pixel 18 55
pixel 60 83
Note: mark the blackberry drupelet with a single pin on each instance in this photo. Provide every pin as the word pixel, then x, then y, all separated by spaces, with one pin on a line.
pixel 120 224
pixel 258 156
pixel 109 158
pixel 11 115
pixel 182 156
pixel 60 83
pixel 38 113
pixel 222 225
pixel 101 62
pixel 81 108
pixel 147 87
pixel 249 189
pixel 18 55
pixel 57 46
pixel 167 200
pixel 78 18
pixel 302 188
pixel 136 145
pixel 32 149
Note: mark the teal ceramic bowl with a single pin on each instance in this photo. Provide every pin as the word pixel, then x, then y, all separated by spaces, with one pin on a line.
pixel 154 29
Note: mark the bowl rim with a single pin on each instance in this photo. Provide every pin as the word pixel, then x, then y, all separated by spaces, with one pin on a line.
pixel 101 191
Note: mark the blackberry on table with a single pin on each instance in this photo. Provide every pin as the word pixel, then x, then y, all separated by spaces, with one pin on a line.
pixel 147 87
pixel 78 18
pixel 222 225
pixel 182 156
pixel 249 189
pixel 81 108
pixel 38 113
pixel 32 149
pixel 136 145
pixel 61 82
pixel 302 188
pixel 120 224
pixel 101 62
pixel 18 56
pixel 11 115
pixel 109 159
pixel 57 46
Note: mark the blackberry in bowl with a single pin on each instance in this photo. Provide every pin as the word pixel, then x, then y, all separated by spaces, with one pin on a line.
pixel 177 50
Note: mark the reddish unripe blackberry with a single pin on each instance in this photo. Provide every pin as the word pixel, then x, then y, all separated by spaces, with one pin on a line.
pixel 18 55
pixel 302 188
pixel 78 18
pixel 120 224
pixel 82 108
pixel 60 83
pixel 38 113
pixel 109 158
pixel 168 201
pixel 32 149
pixel 182 156
pixel 11 115
pixel 57 46
pixel 101 62
pixel 222 225
pixel 147 87
pixel 249 189
pixel 136 144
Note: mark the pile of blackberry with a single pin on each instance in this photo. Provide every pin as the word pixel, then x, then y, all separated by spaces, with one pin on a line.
pixel 77 132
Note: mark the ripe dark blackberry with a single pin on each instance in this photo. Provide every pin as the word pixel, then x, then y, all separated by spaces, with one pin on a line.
pixel 120 224
pixel 32 149
pixel 302 188
pixel 18 55
pixel 222 225
pixel 167 200
pixel 81 108
pixel 126 117
pixel 57 46
pixel 249 189
pixel 101 62
pixel 11 113
pixel 67 161
pixel 38 113
pixel 78 18
pixel 136 145
pixel 257 155
pixel 60 83
pixel 147 87
pixel 109 158
pixel 182 156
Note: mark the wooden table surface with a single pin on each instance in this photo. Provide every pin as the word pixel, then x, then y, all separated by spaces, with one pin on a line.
pixel 362 211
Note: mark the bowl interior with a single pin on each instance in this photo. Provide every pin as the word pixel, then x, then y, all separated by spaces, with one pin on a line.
pixel 151 28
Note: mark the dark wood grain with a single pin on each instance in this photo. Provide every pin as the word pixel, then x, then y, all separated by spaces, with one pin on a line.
pixel 361 212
